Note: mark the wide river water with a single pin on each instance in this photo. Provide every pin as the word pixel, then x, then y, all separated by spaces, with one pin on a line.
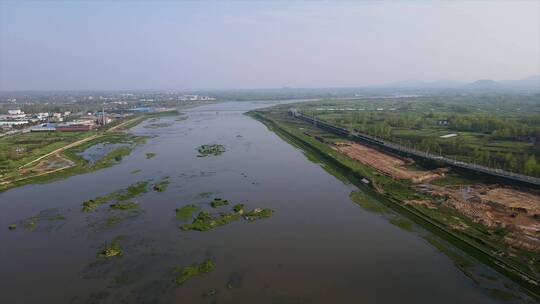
pixel 318 247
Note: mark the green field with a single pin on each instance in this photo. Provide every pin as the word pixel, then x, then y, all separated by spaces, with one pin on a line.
pixel 497 131
pixel 23 161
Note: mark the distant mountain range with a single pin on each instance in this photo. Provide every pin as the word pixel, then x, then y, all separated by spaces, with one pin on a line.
pixel 529 83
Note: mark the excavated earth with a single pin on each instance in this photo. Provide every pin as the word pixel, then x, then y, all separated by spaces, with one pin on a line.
pixel 494 206
pixel 392 166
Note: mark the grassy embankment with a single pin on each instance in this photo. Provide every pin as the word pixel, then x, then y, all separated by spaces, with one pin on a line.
pixel 477 241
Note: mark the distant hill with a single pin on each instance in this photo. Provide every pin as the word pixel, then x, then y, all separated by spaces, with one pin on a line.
pixel 529 83
pixel 483 84
pixel 439 84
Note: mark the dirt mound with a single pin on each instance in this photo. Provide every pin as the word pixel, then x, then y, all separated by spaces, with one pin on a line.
pixel 516 200
pixel 392 166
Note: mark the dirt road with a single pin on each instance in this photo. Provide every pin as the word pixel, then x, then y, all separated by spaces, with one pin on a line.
pixel 71 145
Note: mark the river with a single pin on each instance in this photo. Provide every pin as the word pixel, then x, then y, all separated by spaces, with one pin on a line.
pixel 318 247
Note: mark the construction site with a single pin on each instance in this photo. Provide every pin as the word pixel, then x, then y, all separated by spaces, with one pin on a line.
pixel 514 210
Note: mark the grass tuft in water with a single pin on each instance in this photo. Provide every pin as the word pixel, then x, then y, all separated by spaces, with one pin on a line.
pixel 111 250
pixel 239 208
pixel 218 202
pixel 258 213
pixel 161 186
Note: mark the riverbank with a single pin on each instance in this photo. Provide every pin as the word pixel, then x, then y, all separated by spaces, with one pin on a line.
pixel 478 241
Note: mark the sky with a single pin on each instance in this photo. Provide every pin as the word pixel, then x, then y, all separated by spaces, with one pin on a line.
pixel 123 45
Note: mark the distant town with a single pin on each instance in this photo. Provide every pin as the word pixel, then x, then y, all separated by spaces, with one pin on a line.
pixel 79 112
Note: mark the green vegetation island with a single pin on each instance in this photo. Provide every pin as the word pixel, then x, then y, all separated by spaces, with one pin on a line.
pixel 210 150
pixel 205 221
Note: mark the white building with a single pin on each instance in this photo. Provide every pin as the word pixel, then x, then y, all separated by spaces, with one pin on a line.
pixel 42 115
pixel 13 123
pixel 15 112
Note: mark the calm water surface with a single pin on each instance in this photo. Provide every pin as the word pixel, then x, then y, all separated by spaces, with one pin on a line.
pixel 319 247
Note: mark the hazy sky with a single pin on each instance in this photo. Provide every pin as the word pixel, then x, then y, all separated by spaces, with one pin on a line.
pixel 192 45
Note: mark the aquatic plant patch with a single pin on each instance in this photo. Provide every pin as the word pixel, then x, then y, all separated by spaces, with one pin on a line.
pixel 210 150
pixel 150 155
pixel 121 195
pixel 195 269
pixel 218 202
pixel 48 219
pixel 161 186
pixel 185 213
pixel 205 221
pixel 132 191
pixel 124 206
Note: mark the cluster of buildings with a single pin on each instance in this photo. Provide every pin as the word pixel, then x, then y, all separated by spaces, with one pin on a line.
pixel 72 126
pixel 17 121
pixel 195 98
pixel 17 118
pixel 83 123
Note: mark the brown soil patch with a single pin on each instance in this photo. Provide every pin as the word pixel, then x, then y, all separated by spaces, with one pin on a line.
pixel 52 163
pixel 514 199
pixel 495 207
pixel 392 166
